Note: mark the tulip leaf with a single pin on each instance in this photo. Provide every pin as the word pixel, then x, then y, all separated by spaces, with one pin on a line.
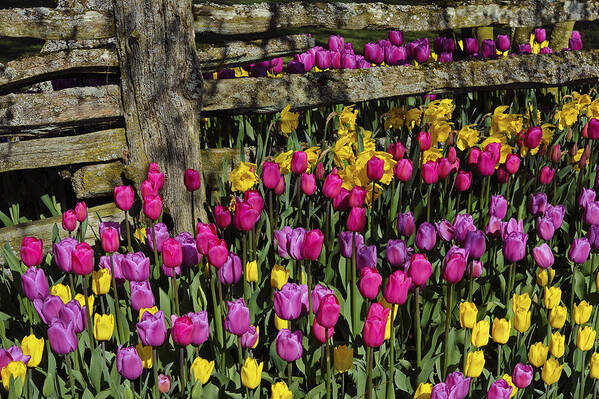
pixel 196 391
pixel 95 369
pixel 48 387
pixel 127 392
pixel 87 394
pixel 106 394
pixel 165 303
pixel 11 258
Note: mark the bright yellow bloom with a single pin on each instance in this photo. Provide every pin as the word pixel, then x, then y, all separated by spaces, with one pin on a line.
pixel 553 296
pixel 281 323
pixel 312 154
pixel 508 378
pixel 468 314
pixel 62 291
pixel 251 271
pixel 103 326
pixel 140 235
pixel 413 117
pixel 423 391
pixel 348 116
pixel 243 177
pixel 289 120
pixel 475 363
pixel 537 354
pixel 557 344
pixel 90 298
pixel 507 124
pixel 343 358
pixel 152 310
pixel 15 370
pixel 522 320
pixel 594 369
pixel 284 161
pixel 438 110
pixel 521 302
pixel 395 118
pixel 432 154
pixel 280 391
pixel 582 312
pixel 439 131
pixel 378 191
pixel 480 333
pixel 101 281
pixel 557 316
pixel 551 371
pixel 145 354
pixel 240 72
pixel 597 282
pixel 576 159
pixel 501 330
pixel 545 276
pixel 201 370
pixel 467 137
pixel 567 116
pixel 34 347
pixel 585 339
pixel 251 373
pixel 279 276
pixel 387 305
pixel 593 109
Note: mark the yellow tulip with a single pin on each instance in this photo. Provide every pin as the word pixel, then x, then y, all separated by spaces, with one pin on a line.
pixel 557 344
pixel 388 306
pixel 423 391
pixel 582 312
pixel 343 358
pixel 103 326
pixel 152 310
pixel 34 347
pixel 475 363
pixel 243 177
pixel 289 120
pixel 522 320
pixel 594 370
pixel 280 391
pixel 551 371
pixel 81 299
pixel 201 369
pixel 278 277
pixel 521 302
pixel 508 378
pixel 145 354
pixel 14 370
pixel 553 296
pixel 62 291
pixel 585 339
pixel 480 333
pixel 281 323
pixel 251 271
pixel 501 330
pixel 101 281
pixel 545 276
pixel 468 314
pixel 251 373
pixel 537 354
pixel 557 316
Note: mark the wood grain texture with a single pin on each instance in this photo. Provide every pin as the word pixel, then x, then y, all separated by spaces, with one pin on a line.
pixel 60 110
pixel 349 86
pixel 44 228
pixel 56 151
pixel 271 17
pixel 55 23
pixel 38 68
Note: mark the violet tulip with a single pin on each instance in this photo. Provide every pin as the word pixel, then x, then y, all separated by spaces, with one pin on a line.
pixel 514 246
pixel 135 266
pixel 162 235
pixel 458 385
pixel 73 313
pixel 128 362
pixel 62 337
pixel 522 375
pixel 141 295
pixel 35 284
pixel 82 259
pixel 396 289
pixel 181 329
pixel 288 301
pixel 345 242
pixel 238 317
pixel 405 224
pixel 289 345
pixel 191 179
pixel 231 271
pixel 191 256
pixel 471 45
pixel 250 338
pixel 397 252
pixel 579 250
pixel 426 237
pixel 587 195
pixel 31 251
pixel 475 243
pixel 488 49
pixel 201 327
pixel 593 236
pixel 503 42
pixel 49 308
pixel 356 220
pixel 545 228
pixel 328 311
pixel 500 389
pixel 365 256
pixel 454 264
pixel 370 282
pixel 498 206
pixel 123 197
pixel 538 203
pixel 69 220
pixel 445 230
pixel 63 251
pixel 591 213
pixel 152 207
pixel 462 224
pixel 152 329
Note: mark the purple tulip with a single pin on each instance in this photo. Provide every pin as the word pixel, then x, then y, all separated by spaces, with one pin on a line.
pixel 494 227
pixel 323 59
pixel 63 253
pixel 136 266
pixel 579 250
pixel 35 284
pixel 524 48
pixel 454 264
pixel 319 292
pixel 171 271
pixel 152 329
pixel 440 391
pixel 543 256
pixel 62 337
pixel 522 375
pixel 471 45
pixel 15 354
pixel 290 241
pixel 396 37
pixel 457 385
pixel 336 59
pixel 503 42
pixel 365 256
pixel 201 327
pixel 161 235
pixel 514 246
pixel 593 236
pixel 374 53
pixel 250 338
pixel 370 282
pixel 231 271
pixel 500 389
pixel 128 362
pixel 191 256
pixel 575 41
pixel 426 237
pixel 258 70
pixel 488 49
pixel 405 224
pixel 545 228
pixel 422 52
pixel 49 308
pixel 540 35
pixel 555 214
pixel 512 226
pixel 276 66
pixel 115 271
pixel 395 55
pixel 498 206
pixel 238 317
pixel 462 224
pixel 348 61
pixel 475 268
pixel 445 230
pixel 475 243
pixel 445 57
pixel 336 42
pixel 288 301
pixel 591 213
pixel 546 50
pixel 397 252
pixel 587 195
pixel 141 295
pixel 345 242
pixel 289 345
pixel 385 43
pixel 295 67
pixel 73 313
pixel 307 59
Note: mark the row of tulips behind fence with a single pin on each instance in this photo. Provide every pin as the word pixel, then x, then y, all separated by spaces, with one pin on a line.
pixel 446 266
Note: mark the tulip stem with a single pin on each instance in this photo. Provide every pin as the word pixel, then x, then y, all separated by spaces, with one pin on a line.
pixel 572 290
pixel 182 368
pixel 90 323
pixel 327 227
pixel 155 369
pixel 129 247
pixel 465 356
pixel 116 303
pixel 354 305
pixel 310 315
pixel 289 367
pixel 175 294
pixel 510 282
pixel 390 389
pixel 369 386
pixel 447 322
pixel 595 390
pixel 193 213
pixel 372 228
pixel 417 328
pixel 328 383
pixel 270 215
pixel 499 351
pixel 72 285
pixel 245 269
pixel 156 266
pixel 218 317
pixel 582 374
pixel 71 378
pixel 428 203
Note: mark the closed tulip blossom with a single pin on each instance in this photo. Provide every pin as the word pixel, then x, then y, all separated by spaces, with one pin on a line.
pixel 161 232
pixel 191 256
pixel 152 206
pixel 62 337
pixel 471 45
pixel 182 330
pixel 397 252
pixel 585 339
pixel 49 308
pixel 270 174
pixel 318 293
pixel 237 320
pixel 458 385
pixel 586 196
pixel 35 284
pixel 128 362
pixel 486 163
pixel 135 266
pixel 374 326
pixel 593 236
pixel 205 235
pixel 152 329
pixel 110 239
pixel 172 253
pixel 312 244
pixel 141 295
pixel 480 333
pixel 445 230
pixel 545 229
pixel 246 215
pixel 454 264
pixel 396 289
pixel 124 197
pixel 375 168
pixel 31 251
pixel 328 311
pixel 231 271
pixel 63 251
pixel 345 242
pixel 475 363
pixel 543 256
pixel 420 269
pixel 475 243
pixel 332 185
pixel 522 375
pixel 557 344
pixel 370 283
pixel 405 224
pixel 500 389
pixel 591 213
pixel 201 327
pixel 426 237
pixel 546 175
pixel 397 150
pixel 498 206
pixel 488 49
pixel 475 268
pixel 463 180
pixel 250 338
pixel 579 250
pixel 69 221
pixel 538 204
pixel 299 162
pixel 403 170
pixel 514 246
pixel 82 259
pixel 365 256
pixel 218 253
pixel 222 216
pixel 462 224
pixel 287 301
pixel 356 220
pixel 503 42
pixel 430 173
pixel 357 196
pixel 289 345
pixel 501 330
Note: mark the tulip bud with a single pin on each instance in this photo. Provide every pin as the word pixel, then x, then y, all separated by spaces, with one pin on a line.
pixel 81 211
pixel 152 206
pixel 271 174
pixel 424 140
pixel 31 251
pixel 299 162
pixel 110 239
pixel 403 170
pixel 123 197
pixel 69 220
pixel 164 383
pixel 356 220
pixel 375 168
pixel 332 185
pixel 308 183
pixel 319 172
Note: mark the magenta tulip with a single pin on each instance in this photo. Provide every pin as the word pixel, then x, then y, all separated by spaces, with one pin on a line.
pixel 373 333
pixel 123 197
pixel 181 330
pixel 375 167
pixel 356 220
pixel 396 289
pixel 289 345
pixel 430 172
pixel 250 338
pixel 69 220
pixel 218 253
pixel 271 173
pixel 238 317
pixel 500 389
pixel 328 311
pixel 172 253
pixel 31 251
pixel 82 259
pixel 191 179
pixel 454 264
pixel 522 375
pixel 370 282
pixel 299 162
pixel 222 216
pixel 308 183
pixel 152 206
pixel 312 245
pixel 110 239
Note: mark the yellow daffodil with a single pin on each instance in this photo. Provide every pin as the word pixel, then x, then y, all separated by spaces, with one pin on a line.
pixel 312 154
pixel 251 373
pixel 593 109
pixel 507 124
pixel 34 347
pixel 201 370
pixel 438 110
pixel 348 116
pixel 468 314
pixel 62 291
pixel 101 281
pixel 395 118
pixel 537 354
pixel 567 116
pixel 289 120
pixel 440 131
pixel 243 177
pixel 343 358
pixel 140 235
pixel 468 137
pixel 475 363
pixel 413 117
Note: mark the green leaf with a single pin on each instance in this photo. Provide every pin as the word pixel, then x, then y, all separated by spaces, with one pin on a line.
pixel 11 259
pixel 48 388
pixel 95 370
pixel 5 219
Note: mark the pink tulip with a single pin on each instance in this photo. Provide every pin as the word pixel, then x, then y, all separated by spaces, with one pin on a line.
pixel 370 282
pixel 356 220
pixel 110 239
pixel 403 170
pixel 82 259
pixel 308 183
pixel 396 289
pixel 172 253
pixel 69 220
pixel 299 162
pixel 192 180
pixel 81 211
pixel 152 207
pixel 123 197
pixel 218 253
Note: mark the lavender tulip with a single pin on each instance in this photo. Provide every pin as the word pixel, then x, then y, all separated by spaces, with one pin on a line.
pixel 231 271
pixel 136 266
pixel 458 385
pixel 426 237
pixel 141 295
pixel 152 329
pixel 462 224
pixel 593 236
pixel 522 375
pixel 579 250
pixel 365 256
pixel 586 195
pixel 73 313
pixel 62 337
pixel 538 204
pixel 543 256
pixel 201 327
pixel 514 246
pixel 161 235
pixel 397 252
pixel 591 213
pixel 545 228
pixel 500 389
pixel 405 224
pixel 498 206
pixel 35 284
pixel 63 251
pixel 475 243
pixel 115 271
pixel 128 362
pixel 288 301
pixel 238 317
pixel 289 345
pixel 556 214
pixel 49 308
pixel 250 338
pixel 345 242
